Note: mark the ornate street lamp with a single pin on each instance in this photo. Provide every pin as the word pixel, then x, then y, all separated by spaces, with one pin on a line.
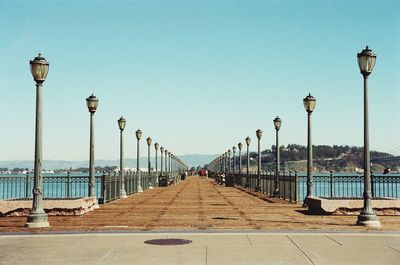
pixel 240 145
pixel 138 136
pixel 234 162
pixel 121 124
pixel 92 102
pixel 169 162
pixel 38 217
pixel 148 140
pixel 366 62
pixel 259 135
pixel 225 162
pixel 221 164
pixel 161 159
pixel 248 140
pixel 309 104
pixel 156 145
pixel 277 124
pixel 229 161
pixel 166 162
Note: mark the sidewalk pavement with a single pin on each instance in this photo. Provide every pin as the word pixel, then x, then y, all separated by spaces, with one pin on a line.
pixel 213 248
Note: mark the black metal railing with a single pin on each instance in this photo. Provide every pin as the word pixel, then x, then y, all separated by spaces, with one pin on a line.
pixel 70 186
pixel 287 183
pixel 293 185
pixel 54 186
pixel 350 185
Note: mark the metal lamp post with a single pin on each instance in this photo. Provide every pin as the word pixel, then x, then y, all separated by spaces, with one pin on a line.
pixel 121 124
pixel 240 145
pixel 248 140
pixel 138 136
pixel 277 124
pixel 221 164
pixel 234 162
pixel 156 145
pixel 309 104
pixel 259 135
pixel 161 159
pixel 366 62
pixel 229 161
pixel 225 163
pixel 170 162
pixel 148 140
pixel 38 217
pixel 166 162
pixel 92 103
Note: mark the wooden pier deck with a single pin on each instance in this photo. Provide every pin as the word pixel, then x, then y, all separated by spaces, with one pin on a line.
pixel 197 204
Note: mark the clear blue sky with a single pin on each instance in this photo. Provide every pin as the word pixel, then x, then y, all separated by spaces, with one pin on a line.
pixel 196 76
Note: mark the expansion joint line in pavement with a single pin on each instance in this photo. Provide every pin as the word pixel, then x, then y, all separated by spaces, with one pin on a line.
pixel 337 242
pixel 312 262
pixel 200 203
pixel 254 196
pixel 241 213
pixel 163 211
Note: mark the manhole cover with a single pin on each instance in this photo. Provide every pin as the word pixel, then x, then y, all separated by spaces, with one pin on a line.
pixel 168 242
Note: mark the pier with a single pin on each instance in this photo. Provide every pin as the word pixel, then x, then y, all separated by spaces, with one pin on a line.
pixel 199 204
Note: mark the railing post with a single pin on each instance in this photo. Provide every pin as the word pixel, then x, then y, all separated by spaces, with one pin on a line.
pixel 26 185
pixel 295 186
pixel 68 184
pixel 103 187
pixel 331 183
pixel 286 176
pixel 372 184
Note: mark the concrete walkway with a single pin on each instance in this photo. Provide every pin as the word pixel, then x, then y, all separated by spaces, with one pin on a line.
pixel 250 248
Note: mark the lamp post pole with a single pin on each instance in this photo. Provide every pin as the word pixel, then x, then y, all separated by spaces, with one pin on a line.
pixel 121 124
pixel 38 217
pixel 248 140
pixel 240 159
pixel 225 163
pixel 277 124
pixel 229 161
pixel 156 146
pixel 149 140
pixel 92 103
pixel 234 162
pixel 138 136
pixel 366 62
pixel 161 160
pixel 259 135
pixel 221 164
pixel 166 162
pixel 309 104
pixel 171 160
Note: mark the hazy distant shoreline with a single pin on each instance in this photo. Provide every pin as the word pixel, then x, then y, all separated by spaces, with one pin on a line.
pixel 190 160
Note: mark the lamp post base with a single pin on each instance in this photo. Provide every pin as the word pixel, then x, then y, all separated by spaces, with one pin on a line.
pixel 368 219
pixel 276 193
pixel 37 220
pixel 305 201
pixel 123 194
pixel 139 189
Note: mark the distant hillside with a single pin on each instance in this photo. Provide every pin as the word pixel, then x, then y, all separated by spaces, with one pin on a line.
pixel 293 157
pixel 325 158
pixel 190 160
